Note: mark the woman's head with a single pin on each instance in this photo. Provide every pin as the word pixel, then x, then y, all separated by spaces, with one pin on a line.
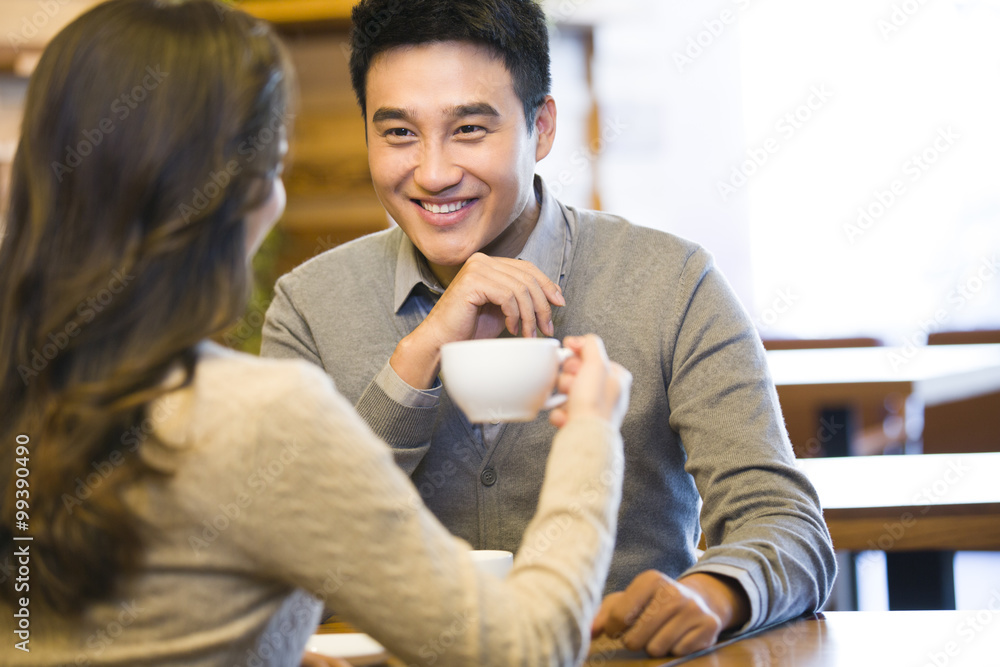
pixel 152 139
pixel 158 119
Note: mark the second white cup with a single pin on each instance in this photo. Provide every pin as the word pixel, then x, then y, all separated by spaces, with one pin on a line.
pixel 503 379
pixel 493 561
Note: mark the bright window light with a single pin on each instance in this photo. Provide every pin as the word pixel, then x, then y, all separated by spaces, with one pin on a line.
pixel 872 169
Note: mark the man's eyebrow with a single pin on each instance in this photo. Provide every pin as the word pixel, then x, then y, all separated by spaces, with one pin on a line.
pixel 391 113
pixel 460 111
pixel 475 109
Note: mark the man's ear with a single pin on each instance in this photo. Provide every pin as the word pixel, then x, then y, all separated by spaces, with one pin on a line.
pixel 545 127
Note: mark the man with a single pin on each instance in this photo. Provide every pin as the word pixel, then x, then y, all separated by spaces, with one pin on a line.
pixel 457 113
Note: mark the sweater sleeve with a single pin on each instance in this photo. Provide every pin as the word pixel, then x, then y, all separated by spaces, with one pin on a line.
pixel 400 415
pixel 761 516
pixel 344 522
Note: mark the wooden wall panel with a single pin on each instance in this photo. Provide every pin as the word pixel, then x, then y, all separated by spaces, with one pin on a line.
pixel 330 195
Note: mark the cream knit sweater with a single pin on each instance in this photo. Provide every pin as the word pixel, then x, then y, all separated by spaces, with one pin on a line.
pixel 277 495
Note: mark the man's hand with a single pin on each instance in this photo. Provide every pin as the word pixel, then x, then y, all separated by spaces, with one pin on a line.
pixel 488 295
pixel 662 616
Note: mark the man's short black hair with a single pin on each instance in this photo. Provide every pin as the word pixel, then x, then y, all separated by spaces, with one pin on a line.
pixel 513 30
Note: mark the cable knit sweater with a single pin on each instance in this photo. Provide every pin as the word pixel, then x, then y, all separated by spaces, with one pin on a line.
pixel 277 496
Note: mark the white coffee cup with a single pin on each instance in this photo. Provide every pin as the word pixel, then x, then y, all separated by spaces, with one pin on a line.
pixel 492 561
pixel 503 379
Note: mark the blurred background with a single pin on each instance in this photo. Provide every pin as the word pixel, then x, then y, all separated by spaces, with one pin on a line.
pixel 840 160
pixel 771 131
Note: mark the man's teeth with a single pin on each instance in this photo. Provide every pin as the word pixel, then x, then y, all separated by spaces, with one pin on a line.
pixel 445 208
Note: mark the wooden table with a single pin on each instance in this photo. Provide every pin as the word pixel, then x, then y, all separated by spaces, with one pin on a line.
pixel 840 639
pixel 808 380
pixel 849 639
pixel 936 373
pixel 918 509
pixel 905 503
pixel 841 381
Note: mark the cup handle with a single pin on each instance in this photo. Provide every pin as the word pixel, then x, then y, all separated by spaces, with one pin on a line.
pixel 555 400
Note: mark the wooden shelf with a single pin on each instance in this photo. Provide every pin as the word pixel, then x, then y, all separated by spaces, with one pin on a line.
pixel 299 11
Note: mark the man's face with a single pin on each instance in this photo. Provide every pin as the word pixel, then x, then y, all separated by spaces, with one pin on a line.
pixel 449 151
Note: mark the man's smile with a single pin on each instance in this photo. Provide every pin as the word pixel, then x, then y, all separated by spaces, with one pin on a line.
pixel 444 207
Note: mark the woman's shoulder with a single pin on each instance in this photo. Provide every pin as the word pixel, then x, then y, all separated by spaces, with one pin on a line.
pixel 250 380
pixel 234 392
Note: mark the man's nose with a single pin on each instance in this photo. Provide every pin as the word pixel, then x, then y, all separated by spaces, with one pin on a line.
pixel 436 170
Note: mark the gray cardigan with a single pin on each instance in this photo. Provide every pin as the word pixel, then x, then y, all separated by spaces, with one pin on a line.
pixel 704 432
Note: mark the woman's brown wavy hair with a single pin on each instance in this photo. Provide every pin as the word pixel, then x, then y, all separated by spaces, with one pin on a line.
pixel 151 129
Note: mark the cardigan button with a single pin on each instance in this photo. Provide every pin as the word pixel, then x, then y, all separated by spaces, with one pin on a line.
pixel 489 477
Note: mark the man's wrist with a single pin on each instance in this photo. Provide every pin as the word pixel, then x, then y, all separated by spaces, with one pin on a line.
pixel 723 595
pixel 416 363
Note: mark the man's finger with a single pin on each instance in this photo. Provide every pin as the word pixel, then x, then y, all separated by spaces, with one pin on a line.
pixel 699 637
pixel 526 282
pixel 552 291
pixel 486 278
pixel 626 609
pixel 676 620
pixel 603 613
pixel 513 296
pixel 661 613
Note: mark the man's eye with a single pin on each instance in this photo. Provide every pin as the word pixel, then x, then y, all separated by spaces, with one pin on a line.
pixel 398 132
pixel 469 129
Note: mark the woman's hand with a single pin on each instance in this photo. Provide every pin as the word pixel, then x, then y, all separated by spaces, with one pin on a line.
pixel 596 386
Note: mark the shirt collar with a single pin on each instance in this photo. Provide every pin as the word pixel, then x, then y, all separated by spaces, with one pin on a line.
pixel 545 248
pixel 411 271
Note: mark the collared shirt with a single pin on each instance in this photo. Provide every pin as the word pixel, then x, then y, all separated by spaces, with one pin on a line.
pixel 548 248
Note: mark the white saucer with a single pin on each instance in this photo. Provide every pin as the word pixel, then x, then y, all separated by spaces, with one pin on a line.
pixel 356 647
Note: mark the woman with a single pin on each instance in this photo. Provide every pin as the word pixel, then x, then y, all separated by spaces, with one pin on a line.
pixel 188 504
